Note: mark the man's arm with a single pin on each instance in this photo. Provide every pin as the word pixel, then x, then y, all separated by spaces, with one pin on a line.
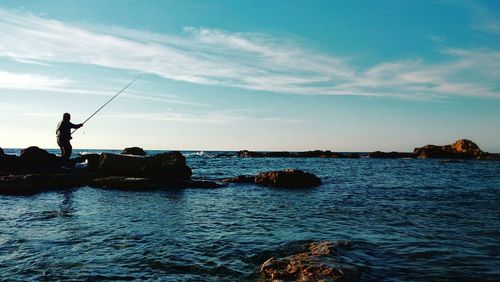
pixel 75 125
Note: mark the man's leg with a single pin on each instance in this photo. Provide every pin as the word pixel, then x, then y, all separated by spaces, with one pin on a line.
pixel 60 143
pixel 68 150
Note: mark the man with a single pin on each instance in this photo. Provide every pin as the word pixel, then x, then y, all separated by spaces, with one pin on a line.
pixel 63 133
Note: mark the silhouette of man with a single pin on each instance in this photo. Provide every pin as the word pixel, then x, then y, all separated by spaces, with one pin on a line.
pixel 63 133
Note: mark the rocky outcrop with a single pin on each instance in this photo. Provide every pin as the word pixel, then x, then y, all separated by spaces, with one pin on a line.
pixel 390 155
pixel 284 154
pixel 320 263
pixel 135 151
pixel 1 152
pixel 34 157
pixel 36 170
pixel 171 165
pixel 288 178
pixel 461 149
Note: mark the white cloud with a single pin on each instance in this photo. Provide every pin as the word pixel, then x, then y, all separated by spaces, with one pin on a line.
pixel 243 60
pixel 9 80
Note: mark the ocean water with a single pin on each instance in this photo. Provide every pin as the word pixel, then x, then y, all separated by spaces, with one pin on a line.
pixel 417 220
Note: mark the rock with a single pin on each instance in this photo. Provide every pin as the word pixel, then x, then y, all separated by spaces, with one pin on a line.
pixel 390 155
pixel 34 157
pixel 289 178
pixel 10 163
pixel 1 152
pixel 135 151
pixel 320 263
pixel 167 166
pixel 92 159
pixel 27 184
pixel 461 149
pixel 240 179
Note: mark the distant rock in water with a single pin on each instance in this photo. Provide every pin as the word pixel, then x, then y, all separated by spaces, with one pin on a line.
pixel 320 263
pixel 461 149
pixel 136 151
pixel 288 178
pixel 390 155
pixel 284 154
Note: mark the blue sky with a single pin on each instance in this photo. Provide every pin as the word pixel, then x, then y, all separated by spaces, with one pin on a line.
pixel 259 75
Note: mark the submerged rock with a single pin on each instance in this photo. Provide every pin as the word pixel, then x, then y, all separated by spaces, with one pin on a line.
pixel 136 151
pixel 461 149
pixel 240 179
pixel 320 263
pixel 119 182
pixel 288 178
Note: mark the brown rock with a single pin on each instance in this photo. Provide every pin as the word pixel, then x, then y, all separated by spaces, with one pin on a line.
pixel 461 149
pixel 318 264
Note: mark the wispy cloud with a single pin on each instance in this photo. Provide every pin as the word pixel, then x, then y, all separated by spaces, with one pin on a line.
pixel 482 19
pixel 244 60
pixel 9 80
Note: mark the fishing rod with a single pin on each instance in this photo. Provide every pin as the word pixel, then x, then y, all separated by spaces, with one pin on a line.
pixel 112 98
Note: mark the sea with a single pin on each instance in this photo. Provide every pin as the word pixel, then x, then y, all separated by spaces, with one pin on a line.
pixel 407 220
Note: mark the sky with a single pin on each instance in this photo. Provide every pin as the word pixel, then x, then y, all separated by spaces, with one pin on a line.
pixel 258 75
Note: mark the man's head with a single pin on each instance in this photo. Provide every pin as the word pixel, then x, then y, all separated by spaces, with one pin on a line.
pixel 66 117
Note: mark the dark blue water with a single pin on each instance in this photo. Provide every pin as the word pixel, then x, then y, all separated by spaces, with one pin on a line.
pixel 407 220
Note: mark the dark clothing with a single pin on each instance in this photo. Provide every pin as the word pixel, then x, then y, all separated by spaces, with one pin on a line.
pixel 64 129
pixel 66 148
pixel 63 133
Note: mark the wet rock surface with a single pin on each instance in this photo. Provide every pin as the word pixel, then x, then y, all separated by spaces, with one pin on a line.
pixel 320 263
pixel 288 178
pixel 136 151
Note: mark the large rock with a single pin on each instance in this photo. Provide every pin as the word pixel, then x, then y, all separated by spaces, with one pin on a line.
pixel 461 149
pixel 34 157
pixel 10 163
pixel 168 166
pixel 289 178
pixel 320 263
pixel 1 152
pixel 135 151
